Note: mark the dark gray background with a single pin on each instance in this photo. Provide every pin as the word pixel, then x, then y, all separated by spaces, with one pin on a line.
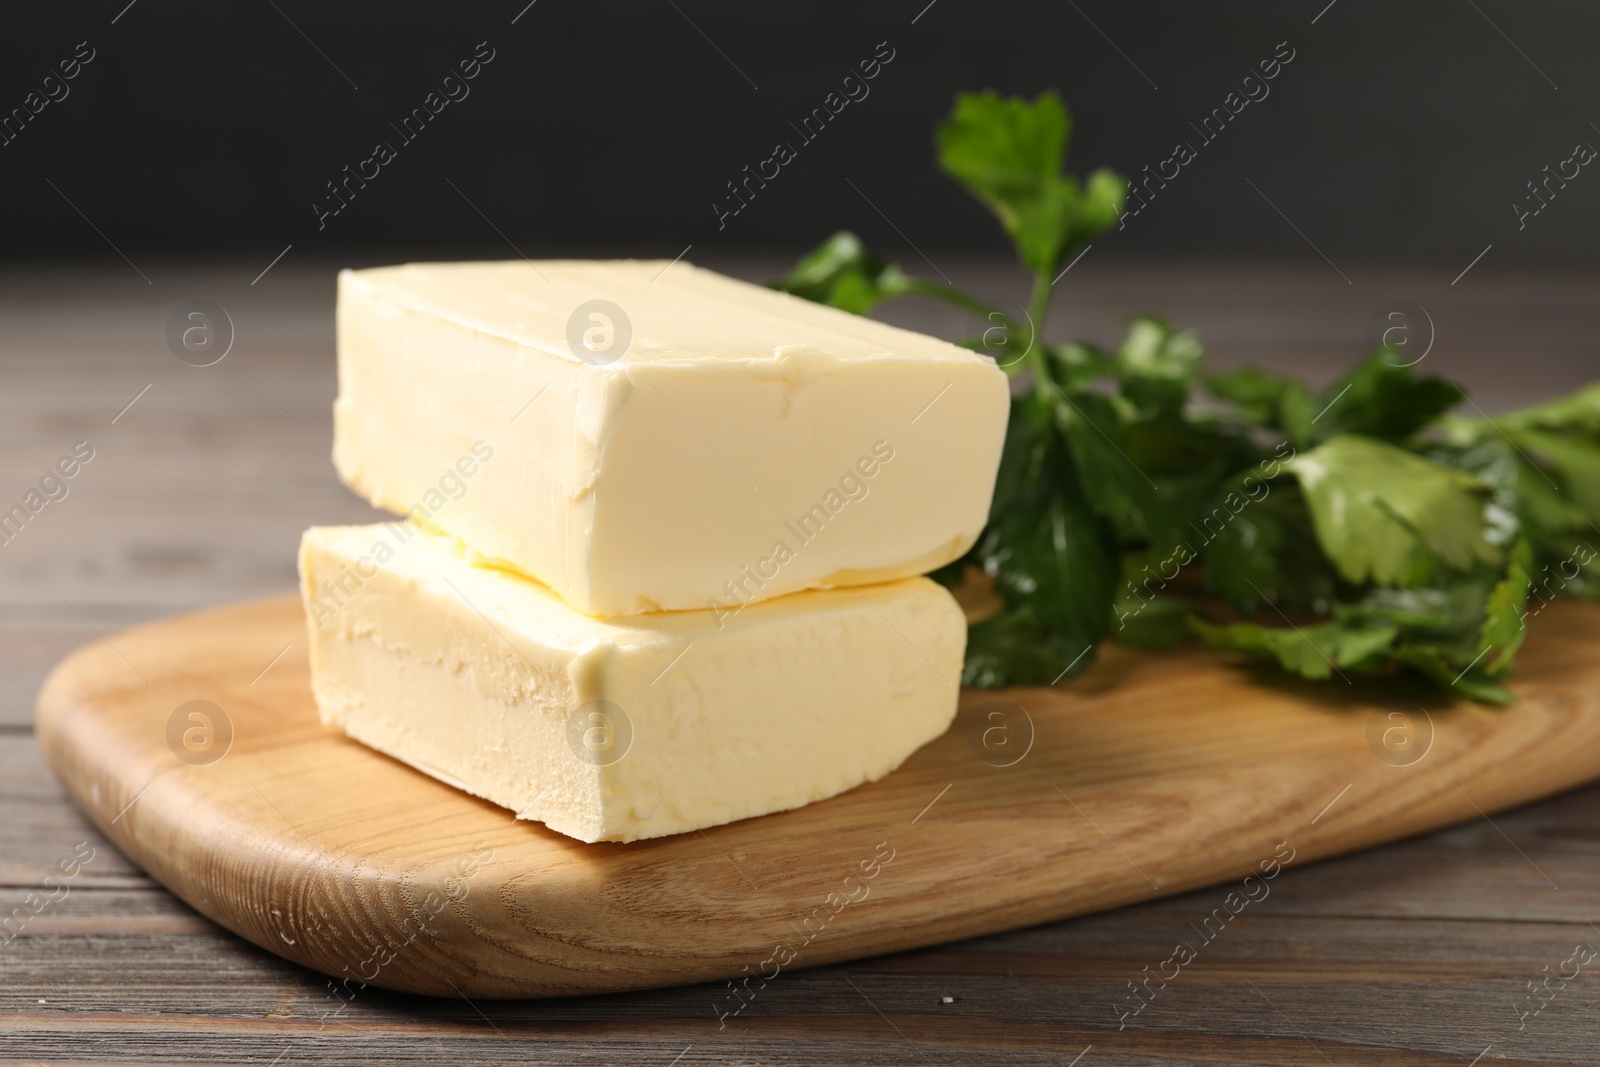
pixel 1400 130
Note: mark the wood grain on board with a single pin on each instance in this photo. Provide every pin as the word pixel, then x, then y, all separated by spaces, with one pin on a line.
pixel 1153 775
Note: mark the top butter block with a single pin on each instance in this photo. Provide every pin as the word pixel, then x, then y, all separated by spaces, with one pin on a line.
pixel 646 436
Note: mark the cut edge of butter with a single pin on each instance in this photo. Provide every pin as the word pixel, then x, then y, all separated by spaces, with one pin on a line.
pixel 625 729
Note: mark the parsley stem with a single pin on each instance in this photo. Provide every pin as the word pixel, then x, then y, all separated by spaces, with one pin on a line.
pixel 1038 308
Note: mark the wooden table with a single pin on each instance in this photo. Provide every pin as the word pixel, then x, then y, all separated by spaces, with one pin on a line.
pixel 1420 952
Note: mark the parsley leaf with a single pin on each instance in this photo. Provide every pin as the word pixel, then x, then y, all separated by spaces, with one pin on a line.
pixel 841 273
pixel 1314 651
pixel 1388 515
pixel 1575 460
pixel 1268 400
pixel 1009 153
pixel 1577 412
pixel 1046 547
pixel 1011 648
pixel 1155 366
pixel 1504 629
pixel 1384 398
pixel 1267 553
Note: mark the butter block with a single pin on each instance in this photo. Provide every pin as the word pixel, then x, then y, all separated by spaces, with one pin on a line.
pixel 662 437
pixel 616 730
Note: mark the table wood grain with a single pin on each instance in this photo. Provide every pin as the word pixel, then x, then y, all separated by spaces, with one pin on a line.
pixel 1416 953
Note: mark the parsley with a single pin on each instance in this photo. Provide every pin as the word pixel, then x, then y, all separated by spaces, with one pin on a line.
pixel 1358 530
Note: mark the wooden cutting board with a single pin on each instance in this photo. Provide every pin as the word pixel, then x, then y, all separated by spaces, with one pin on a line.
pixel 1150 775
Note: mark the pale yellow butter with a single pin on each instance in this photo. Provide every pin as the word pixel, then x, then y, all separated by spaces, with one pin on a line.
pixel 699 442
pixel 626 728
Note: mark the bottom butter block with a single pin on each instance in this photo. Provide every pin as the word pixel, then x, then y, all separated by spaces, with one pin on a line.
pixel 626 728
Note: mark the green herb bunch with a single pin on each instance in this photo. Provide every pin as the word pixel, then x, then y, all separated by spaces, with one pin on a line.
pixel 1357 530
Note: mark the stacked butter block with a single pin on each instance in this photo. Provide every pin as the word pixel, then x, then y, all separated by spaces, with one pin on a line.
pixel 665 534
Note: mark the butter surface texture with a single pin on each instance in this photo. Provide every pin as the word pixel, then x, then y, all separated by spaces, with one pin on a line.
pixel 711 444
pixel 629 728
